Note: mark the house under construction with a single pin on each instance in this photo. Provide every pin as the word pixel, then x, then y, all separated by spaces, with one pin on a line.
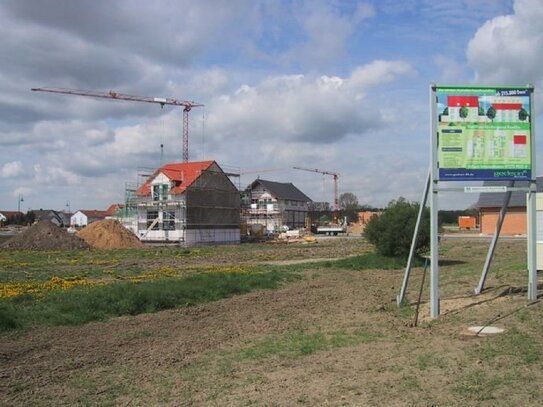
pixel 275 205
pixel 186 203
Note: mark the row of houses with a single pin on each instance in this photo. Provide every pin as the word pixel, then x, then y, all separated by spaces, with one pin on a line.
pixel 78 219
pixel 197 202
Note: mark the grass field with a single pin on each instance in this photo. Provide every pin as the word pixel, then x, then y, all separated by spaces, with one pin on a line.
pixel 250 325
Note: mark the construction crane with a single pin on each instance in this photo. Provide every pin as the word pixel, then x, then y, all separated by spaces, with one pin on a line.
pixel 243 172
pixel 335 176
pixel 187 106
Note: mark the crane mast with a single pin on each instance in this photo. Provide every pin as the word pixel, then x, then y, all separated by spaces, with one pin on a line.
pixel 336 180
pixel 187 105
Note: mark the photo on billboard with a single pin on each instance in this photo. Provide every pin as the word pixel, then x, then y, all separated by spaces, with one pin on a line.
pixel 484 133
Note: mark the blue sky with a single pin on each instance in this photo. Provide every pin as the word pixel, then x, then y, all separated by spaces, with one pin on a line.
pixel 340 86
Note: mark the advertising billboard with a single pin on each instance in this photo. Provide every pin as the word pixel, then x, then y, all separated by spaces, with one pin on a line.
pixel 484 133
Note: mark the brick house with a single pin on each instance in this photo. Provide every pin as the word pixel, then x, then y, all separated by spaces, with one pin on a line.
pixel 489 206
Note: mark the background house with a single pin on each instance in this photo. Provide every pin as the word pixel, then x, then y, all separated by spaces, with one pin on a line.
pixel 275 204
pixel 188 203
pixel 83 217
pixel 6 215
pixel 58 218
pixel 489 206
pixel 114 209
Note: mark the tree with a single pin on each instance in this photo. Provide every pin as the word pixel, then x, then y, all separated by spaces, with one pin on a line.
pixel 444 113
pixel 491 113
pixel 392 232
pixel 464 112
pixel 522 114
pixel 348 203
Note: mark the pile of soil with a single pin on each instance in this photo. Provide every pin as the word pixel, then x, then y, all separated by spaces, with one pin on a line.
pixel 45 235
pixel 109 234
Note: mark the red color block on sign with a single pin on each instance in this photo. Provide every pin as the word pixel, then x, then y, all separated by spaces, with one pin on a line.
pixel 519 139
pixel 465 101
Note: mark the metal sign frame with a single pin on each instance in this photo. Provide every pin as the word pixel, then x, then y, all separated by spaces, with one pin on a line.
pixel 433 187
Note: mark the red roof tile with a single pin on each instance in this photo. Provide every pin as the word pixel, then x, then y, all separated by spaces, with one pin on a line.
pixel 114 208
pixel 182 174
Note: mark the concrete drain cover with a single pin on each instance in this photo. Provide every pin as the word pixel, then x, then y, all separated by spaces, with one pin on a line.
pixel 485 330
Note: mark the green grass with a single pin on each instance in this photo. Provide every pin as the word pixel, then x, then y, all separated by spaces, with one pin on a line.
pixel 21 265
pixel 292 344
pixel 368 261
pixel 479 385
pixel 299 342
pixel 84 304
pixel 512 344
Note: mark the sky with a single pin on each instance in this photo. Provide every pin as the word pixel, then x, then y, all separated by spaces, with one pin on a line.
pixel 338 86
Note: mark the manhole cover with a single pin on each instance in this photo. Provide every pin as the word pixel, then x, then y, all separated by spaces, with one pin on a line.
pixel 485 330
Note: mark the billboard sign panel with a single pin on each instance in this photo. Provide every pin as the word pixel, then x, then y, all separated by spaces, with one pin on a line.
pixel 484 133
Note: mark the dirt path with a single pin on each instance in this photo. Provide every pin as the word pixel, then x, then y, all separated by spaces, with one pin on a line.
pixel 304 261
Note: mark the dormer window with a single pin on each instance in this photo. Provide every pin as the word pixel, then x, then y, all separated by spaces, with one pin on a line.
pixel 160 192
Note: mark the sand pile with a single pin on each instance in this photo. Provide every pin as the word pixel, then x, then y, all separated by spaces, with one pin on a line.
pixel 45 235
pixel 109 234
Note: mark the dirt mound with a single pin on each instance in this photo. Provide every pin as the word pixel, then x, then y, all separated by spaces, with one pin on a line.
pixel 45 235
pixel 109 234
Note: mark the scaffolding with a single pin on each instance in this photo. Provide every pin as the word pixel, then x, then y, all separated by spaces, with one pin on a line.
pixel 206 212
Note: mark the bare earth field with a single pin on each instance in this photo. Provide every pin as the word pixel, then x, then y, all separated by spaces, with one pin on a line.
pixel 334 337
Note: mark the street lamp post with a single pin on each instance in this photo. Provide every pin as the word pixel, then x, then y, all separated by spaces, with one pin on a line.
pixel 19 200
pixel 19 215
pixel 69 213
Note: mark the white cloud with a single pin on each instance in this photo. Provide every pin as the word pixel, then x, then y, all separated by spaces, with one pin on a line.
pixel 303 108
pixel 509 49
pixel 363 12
pixel 54 175
pixel 379 72
pixel 326 32
pixel 12 169
pixel 452 71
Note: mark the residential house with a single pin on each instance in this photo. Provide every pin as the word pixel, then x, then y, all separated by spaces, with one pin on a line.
pixel 490 204
pixel 6 215
pixel 83 217
pixel 56 217
pixel 114 209
pixel 275 205
pixel 188 203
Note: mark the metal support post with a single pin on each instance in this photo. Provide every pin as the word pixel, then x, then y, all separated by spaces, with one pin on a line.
pixel 434 254
pixel 532 254
pixel 434 180
pixel 401 297
pixel 492 248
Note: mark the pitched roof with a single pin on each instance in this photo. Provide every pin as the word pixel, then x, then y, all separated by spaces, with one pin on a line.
pixel 93 213
pixel 9 214
pixel 181 174
pixel 114 208
pixel 495 199
pixel 282 190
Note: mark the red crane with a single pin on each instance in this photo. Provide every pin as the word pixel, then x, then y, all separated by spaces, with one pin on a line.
pixel 187 106
pixel 336 179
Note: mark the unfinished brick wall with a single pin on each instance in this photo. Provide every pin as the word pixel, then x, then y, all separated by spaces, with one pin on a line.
pixel 513 224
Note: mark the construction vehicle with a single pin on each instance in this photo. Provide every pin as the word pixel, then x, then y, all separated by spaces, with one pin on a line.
pixel 331 228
